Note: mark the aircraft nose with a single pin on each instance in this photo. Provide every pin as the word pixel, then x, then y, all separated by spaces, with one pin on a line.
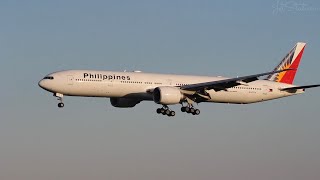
pixel 41 83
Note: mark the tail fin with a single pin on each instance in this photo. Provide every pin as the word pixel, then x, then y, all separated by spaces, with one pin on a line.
pixel 290 61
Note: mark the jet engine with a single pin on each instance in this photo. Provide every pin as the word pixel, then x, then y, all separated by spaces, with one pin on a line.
pixel 167 95
pixel 124 102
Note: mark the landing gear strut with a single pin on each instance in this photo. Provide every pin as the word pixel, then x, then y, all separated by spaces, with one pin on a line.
pixel 59 97
pixel 166 111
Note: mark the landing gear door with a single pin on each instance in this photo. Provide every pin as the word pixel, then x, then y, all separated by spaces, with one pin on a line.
pixel 70 80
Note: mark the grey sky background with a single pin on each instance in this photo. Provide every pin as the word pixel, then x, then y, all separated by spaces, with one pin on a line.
pixel 89 139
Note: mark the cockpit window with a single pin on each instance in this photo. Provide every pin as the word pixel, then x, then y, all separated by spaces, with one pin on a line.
pixel 48 77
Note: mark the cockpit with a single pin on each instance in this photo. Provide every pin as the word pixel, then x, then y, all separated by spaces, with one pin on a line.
pixel 47 82
pixel 48 77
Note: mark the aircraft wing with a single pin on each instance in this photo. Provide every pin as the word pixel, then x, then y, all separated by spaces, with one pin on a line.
pixel 227 83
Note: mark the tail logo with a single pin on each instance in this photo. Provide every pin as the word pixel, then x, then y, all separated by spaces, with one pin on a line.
pixel 290 61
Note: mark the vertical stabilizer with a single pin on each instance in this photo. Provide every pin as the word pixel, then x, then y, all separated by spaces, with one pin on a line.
pixel 290 61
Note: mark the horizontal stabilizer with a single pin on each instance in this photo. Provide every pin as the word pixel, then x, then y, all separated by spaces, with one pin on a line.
pixel 300 87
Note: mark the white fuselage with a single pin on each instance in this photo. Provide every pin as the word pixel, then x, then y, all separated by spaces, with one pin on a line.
pixel 138 85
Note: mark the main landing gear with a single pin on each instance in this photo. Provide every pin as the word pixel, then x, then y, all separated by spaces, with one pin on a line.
pixel 166 111
pixel 59 97
pixel 190 110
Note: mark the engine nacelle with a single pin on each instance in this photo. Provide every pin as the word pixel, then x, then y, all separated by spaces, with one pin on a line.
pixel 124 102
pixel 167 95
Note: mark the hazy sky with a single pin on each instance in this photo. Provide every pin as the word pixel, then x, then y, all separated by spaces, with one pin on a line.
pixel 89 139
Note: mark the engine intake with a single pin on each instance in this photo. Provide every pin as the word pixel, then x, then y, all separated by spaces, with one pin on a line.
pixel 167 95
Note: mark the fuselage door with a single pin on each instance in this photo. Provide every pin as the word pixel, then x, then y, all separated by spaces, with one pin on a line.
pixel 266 89
pixel 70 80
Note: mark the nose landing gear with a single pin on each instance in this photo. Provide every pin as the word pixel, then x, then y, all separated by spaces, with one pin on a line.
pixel 59 97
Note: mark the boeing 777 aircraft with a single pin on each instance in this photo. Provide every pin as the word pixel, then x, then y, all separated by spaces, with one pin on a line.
pixel 127 89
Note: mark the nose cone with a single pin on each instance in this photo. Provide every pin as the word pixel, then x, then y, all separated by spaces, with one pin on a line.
pixel 48 83
pixel 41 83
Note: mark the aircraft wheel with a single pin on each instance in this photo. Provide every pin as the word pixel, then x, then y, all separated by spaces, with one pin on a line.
pixel 167 112
pixel 192 110
pixel 183 109
pixel 60 105
pixel 187 109
pixel 163 111
pixel 197 112
pixel 159 110
pixel 172 113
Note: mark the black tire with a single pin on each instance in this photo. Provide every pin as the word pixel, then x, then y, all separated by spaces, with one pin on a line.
pixel 197 111
pixel 163 111
pixel 60 105
pixel 168 112
pixel 172 113
pixel 192 110
pixel 183 109
pixel 159 110
pixel 187 109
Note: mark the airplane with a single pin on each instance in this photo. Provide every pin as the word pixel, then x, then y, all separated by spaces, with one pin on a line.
pixel 127 89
